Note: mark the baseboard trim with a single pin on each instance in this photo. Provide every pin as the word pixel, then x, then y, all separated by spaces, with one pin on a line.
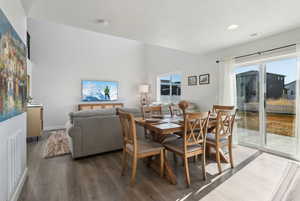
pixel 16 194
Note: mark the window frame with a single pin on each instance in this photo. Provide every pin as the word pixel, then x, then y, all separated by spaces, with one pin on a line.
pixel 158 85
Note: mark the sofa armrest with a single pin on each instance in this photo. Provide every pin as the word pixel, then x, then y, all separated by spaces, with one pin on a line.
pixel 75 138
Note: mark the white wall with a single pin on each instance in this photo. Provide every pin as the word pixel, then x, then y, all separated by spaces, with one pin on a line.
pixel 62 56
pixel 15 13
pixel 159 60
pixel 29 72
pixel 275 41
pixel 278 40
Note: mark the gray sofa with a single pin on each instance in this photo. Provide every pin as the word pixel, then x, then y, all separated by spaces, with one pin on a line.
pixel 96 131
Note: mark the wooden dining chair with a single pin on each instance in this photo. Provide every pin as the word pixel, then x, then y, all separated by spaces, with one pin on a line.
pixel 148 111
pixel 174 109
pixel 193 142
pixel 221 107
pixel 221 135
pixel 136 148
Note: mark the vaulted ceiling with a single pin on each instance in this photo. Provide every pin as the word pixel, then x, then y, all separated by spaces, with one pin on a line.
pixel 195 26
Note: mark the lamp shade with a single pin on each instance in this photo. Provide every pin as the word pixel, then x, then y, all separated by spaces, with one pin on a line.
pixel 144 88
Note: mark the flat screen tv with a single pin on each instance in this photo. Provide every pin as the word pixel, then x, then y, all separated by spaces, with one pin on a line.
pixel 94 90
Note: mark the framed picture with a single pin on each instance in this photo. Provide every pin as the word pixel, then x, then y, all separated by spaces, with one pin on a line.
pixel 192 80
pixel 13 71
pixel 204 79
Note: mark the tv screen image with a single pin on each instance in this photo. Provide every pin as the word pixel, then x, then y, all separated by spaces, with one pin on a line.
pixel 93 90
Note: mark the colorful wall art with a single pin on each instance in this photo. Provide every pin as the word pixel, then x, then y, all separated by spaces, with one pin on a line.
pixel 13 71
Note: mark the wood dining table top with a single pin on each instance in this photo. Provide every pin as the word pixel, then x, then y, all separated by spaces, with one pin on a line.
pixel 164 124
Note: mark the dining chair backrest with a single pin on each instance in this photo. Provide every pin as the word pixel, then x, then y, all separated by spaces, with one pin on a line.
pixel 151 110
pixel 174 109
pixel 128 129
pixel 225 122
pixel 216 108
pixel 183 105
pixel 195 129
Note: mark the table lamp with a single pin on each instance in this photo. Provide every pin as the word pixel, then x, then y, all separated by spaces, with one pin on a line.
pixel 144 91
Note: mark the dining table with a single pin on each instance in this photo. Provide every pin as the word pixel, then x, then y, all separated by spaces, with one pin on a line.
pixel 161 127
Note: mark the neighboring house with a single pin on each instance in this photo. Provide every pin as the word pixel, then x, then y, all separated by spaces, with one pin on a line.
pixel 248 86
pixel 290 90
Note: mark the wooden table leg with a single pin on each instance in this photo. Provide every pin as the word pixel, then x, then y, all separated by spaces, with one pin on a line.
pixel 168 172
pixel 155 164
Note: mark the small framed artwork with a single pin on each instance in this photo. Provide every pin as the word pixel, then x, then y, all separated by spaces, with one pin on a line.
pixel 192 80
pixel 204 79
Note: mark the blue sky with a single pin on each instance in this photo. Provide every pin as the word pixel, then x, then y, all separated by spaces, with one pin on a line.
pixel 99 84
pixel 287 67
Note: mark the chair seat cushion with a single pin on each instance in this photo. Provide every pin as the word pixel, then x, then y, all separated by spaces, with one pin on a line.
pixel 212 137
pixel 145 146
pixel 170 138
pixel 177 146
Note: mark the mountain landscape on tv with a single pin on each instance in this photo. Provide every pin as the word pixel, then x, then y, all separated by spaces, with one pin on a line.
pixel 99 91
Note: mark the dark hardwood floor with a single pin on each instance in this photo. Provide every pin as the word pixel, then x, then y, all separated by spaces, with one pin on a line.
pixel 99 178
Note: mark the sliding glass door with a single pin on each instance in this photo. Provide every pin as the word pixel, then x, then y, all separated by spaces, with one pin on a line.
pixel 266 99
pixel 248 97
pixel 280 104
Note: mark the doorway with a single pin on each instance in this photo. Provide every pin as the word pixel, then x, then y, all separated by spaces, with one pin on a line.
pixel 266 99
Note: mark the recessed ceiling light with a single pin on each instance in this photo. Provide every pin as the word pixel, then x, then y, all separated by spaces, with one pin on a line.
pixel 232 27
pixel 103 22
pixel 254 35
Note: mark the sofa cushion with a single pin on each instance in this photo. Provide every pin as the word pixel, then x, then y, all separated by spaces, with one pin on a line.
pixel 92 113
pixel 134 111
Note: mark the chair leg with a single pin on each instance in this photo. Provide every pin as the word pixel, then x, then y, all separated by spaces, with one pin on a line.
pixel 162 162
pixel 203 166
pixel 146 133
pixel 187 172
pixel 124 162
pixel 208 151
pixel 230 151
pixel 195 158
pixel 175 157
pixel 218 159
pixel 133 171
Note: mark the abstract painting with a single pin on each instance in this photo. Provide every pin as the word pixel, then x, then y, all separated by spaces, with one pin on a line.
pixel 13 71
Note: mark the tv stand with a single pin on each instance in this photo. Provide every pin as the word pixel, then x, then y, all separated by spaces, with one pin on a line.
pixel 97 106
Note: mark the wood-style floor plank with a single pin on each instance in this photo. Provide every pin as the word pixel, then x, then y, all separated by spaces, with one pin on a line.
pixel 99 178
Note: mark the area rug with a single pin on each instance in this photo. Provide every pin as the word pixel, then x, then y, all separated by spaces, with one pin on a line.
pixel 267 178
pixel 57 144
pixel 288 190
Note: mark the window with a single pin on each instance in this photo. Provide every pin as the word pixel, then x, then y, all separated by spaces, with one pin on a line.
pixel 169 88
